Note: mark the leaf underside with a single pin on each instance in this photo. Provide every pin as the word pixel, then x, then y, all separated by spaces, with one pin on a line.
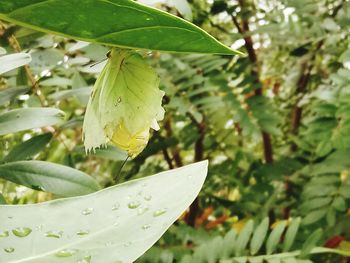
pixel 121 23
pixel 117 224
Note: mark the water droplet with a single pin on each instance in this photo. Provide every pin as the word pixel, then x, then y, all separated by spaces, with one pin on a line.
pixel 21 231
pixel 147 226
pixel 108 244
pixel 4 234
pixel 9 249
pixel 115 206
pixel 142 210
pixel 87 259
pixel 148 197
pixel 159 212
pixel 148 19
pixel 65 253
pixel 127 244
pixel 55 234
pixel 134 204
pixel 10 217
pixel 119 100
pixel 83 232
pixel 39 227
pixel 87 211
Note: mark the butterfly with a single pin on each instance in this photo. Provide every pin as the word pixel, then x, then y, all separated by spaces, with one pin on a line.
pixel 125 104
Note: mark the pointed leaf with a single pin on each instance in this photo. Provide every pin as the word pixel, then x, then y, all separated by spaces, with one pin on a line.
pixel 28 148
pixel 117 224
pixel 259 236
pixel 311 242
pixel 229 244
pixel 24 119
pixel 275 237
pixel 122 23
pixel 50 177
pixel 7 95
pixel 314 216
pixel 243 237
pixel 291 234
pixel 10 62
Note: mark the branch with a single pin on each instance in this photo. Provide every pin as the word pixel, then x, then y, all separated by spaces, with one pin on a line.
pixel 243 29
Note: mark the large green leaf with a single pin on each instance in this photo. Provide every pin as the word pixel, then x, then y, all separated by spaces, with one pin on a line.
pixel 58 179
pixel 23 119
pixel 122 23
pixel 117 224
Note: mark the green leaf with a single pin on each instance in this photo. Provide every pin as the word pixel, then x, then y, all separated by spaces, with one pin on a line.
pixel 311 242
pixel 259 236
pixel 58 179
pixel 66 94
pixel 275 237
pixel 229 244
pixel 331 216
pixel 24 119
pixel 7 95
pixel 244 237
pixel 122 23
pixel 2 200
pixel 10 62
pixel 28 148
pixel 314 216
pixel 291 234
pixel 315 203
pixel 117 224
pixel 289 260
pixel 339 204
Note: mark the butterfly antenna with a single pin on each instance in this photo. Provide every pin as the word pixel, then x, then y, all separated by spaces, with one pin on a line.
pixel 98 62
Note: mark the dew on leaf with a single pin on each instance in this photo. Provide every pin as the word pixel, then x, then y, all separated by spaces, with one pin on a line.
pixel 127 244
pixel 148 197
pixel 4 233
pixel 134 204
pixel 87 211
pixel 147 226
pixel 65 253
pixel 39 227
pixel 55 234
pixel 108 244
pixel 86 259
pixel 9 249
pixel 159 212
pixel 83 232
pixel 21 231
pixel 115 206
pixel 142 210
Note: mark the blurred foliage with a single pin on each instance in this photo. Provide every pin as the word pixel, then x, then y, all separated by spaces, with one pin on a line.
pixel 275 126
